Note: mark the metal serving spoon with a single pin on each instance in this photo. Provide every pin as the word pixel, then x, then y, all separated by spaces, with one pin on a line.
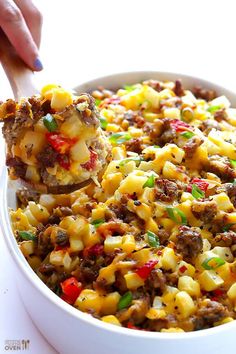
pixel 22 81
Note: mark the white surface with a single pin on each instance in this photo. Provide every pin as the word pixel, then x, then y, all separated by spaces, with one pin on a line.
pixel 86 39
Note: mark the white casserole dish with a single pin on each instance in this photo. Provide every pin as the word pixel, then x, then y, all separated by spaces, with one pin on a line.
pixel 73 332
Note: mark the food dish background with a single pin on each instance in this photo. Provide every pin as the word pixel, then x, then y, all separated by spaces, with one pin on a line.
pixel 183 46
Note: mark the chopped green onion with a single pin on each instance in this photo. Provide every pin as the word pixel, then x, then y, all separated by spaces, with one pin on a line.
pixel 150 182
pixel 125 300
pixel 228 226
pixel 177 215
pixel 213 263
pixel 233 162
pixel 187 135
pixel 27 235
pixel 103 123
pixel 187 114
pixel 129 88
pixel 136 159
pixel 197 192
pixel 156 146
pixel 96 223
pixel 213 109
pixel 234 182
pixel 119 138
pixel 97 101
pixel 50 123
pixel 153 239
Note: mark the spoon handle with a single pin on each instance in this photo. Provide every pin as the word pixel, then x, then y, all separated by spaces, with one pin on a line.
pixel 21 78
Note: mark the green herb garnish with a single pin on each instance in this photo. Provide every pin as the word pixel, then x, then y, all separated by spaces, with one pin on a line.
pixel 177 215
pixel 136 159
pixel 125 300
pixel 228 226
pixel 103 123
pixel 27 235
pixel 233 162
pixel 150 182
pixel 96 223
pixel 50 123
pixel 187 135
pixel 213 109
pixel 153 239
pixel 213 263
pixel 197 192
pixel 129 88
pixel 97 101
pixel 119 138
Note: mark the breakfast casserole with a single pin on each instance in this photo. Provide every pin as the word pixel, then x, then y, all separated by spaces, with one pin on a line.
pixel 151 244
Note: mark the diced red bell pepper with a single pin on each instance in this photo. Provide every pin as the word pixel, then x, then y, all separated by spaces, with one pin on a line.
pixel 92 162
pixel 130 325
pixel 71 289
pixel 64 161
pixel 199 183
pixel 179 125
pixel 146 269
pixel 183 268
pixel 60 143
pixel 95 250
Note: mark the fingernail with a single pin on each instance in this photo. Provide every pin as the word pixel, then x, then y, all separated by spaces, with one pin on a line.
pixel 38 64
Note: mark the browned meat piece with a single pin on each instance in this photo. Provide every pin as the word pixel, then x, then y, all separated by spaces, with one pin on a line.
pixel 156 280
pixel 18 166
pixel 168 133
pixel 165 190
pixel 227 238
pixel 169 321
pixel 46 268
pixel 89 115
pixel 134 145
pixel 163 236
pixel 204 210
pixel 220 115
pixel 209 124
pixel 48 157
pixel 88 271
pixel 221 167
pixel 207 95
pixel 178 88
pixel 189 243
pixel 134 118
pixel 61 238
pixel 155 129
pixel 38 110
pixel 208 313
pixel 24 195
pixel 191 146
pixel 156 85
pixel 45 245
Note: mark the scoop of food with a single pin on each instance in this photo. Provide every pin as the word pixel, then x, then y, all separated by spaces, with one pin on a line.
pixel 54 141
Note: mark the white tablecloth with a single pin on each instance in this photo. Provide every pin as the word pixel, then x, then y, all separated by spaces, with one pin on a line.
pixel 87 39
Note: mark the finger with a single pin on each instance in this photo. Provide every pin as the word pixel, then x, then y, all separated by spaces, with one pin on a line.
pixel 33 18
pixel 14 26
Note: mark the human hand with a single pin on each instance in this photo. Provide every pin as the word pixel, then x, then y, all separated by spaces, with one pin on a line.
pixel 21 21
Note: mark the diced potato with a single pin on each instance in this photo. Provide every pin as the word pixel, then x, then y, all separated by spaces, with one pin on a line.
pixel 39 212
pixel 232 292
pixel 27 247
pixel 225 148
pixel 142 256
pixel 60 258
pixel 109 303
pixel 89 300
pixel 189 285
pixel 224 253
pixel 209 280
pixel 133 281
pixel 48 201
pixel 169 259
pixel 111 319
pixel 171 171
pixel 169 294
pixel 60 99
pixel 47 90
pixel 33 141
pixel 223 202
pixel 128 243
pixel 132 184
pixel 185 268
pixel 144 212
pixel 108 273
pixel 172 330
pixel 32 174
pixel 155 314
pixel 76 245
pixel 220 101
pixel 98 213
pixel 185 304
pixel 152 226
pixel 80 152
pixel 172 113
pixel 111 243
pixel 112 182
